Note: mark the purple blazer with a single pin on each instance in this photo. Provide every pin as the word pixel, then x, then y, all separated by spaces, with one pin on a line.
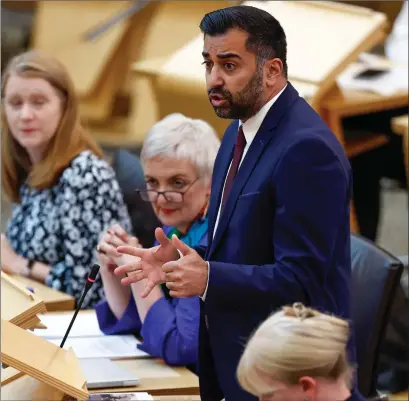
pixel 170 330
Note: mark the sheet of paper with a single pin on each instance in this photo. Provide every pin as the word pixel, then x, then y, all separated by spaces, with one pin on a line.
pixel 85 325
pixel 120 396
pixel 110 347
pixel 395 79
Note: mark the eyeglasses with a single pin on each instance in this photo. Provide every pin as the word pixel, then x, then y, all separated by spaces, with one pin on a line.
pixel 150 195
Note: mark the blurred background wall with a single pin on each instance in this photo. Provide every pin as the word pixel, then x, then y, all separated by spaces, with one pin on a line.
pixel 103 64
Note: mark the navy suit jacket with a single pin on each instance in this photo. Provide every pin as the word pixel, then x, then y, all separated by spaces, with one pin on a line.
pixel 283 236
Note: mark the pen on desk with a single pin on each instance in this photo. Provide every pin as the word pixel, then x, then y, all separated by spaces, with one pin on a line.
pixel 31 289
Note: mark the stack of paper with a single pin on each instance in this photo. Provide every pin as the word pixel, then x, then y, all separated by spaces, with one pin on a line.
pixel 390 80
pixel 86 339
pixel 85 325
pixel 111 347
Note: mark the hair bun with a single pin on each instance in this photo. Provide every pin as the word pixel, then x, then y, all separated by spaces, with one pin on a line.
pixel 300 311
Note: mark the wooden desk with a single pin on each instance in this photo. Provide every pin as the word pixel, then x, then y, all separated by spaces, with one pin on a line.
pixel 399 397
pixel 400 125
pixel 339 104
pixel 157 378
pixel 54 300
pixel 353 102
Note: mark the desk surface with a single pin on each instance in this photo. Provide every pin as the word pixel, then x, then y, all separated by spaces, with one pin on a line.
pixel 54 300
pixel 400 396
pixel 353 102
pixel 157 378
pixel 400 124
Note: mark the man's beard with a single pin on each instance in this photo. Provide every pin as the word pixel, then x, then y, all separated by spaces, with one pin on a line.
pixel 245 103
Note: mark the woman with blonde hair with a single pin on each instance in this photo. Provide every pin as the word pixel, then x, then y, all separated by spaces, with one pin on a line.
pixel 298 354
pixel 64 194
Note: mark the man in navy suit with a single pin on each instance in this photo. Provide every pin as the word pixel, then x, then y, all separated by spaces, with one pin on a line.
pixel 279 208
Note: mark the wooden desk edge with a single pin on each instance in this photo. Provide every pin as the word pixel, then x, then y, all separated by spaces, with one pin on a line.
pixel 400 124
pixel 345 104
pixel 186 383
pixel 61 301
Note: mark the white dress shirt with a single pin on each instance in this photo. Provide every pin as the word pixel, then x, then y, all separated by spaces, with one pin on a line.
pixel 250 128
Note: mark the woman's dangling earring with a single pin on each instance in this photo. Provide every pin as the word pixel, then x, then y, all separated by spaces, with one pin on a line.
pixel 205 209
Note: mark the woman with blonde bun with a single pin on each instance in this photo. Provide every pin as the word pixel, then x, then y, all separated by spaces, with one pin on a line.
pixel 298 354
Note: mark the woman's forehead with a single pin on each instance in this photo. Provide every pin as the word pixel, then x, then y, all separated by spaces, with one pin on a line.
pixel 165 166
pixel 28 85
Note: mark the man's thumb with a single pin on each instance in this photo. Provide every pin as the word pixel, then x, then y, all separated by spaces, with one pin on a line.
pixel 181 246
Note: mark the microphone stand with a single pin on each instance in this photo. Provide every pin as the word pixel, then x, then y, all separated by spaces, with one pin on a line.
pixel 91 279
pixel 74 317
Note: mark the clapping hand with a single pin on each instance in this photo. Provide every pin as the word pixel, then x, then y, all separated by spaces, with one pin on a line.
pixel 107 255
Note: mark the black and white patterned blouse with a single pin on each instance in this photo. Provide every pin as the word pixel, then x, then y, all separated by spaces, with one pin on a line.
pixel 61 226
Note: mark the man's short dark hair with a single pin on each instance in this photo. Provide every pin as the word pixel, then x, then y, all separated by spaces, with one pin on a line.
pixel 266 36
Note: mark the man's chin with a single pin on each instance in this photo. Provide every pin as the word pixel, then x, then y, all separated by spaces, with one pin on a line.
pixel 222 112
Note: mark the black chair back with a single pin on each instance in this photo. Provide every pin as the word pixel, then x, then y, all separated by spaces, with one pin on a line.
pixel 129 173
pixel 375 277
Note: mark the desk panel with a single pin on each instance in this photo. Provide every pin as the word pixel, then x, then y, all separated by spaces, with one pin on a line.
pixel 348 102
pixel 54 300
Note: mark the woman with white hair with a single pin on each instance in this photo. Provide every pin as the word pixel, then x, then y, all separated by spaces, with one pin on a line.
pixel 298 354
pixel 177 159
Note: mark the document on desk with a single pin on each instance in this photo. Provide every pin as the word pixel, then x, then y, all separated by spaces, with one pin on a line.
pixel 86 339
pixel 110 347
pixel 85 325
pixel 390 79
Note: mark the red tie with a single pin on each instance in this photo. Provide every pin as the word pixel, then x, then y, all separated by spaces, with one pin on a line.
pixel 238 153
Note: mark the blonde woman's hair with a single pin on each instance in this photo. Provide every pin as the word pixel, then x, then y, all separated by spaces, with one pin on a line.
pixel 292 343
pixel 69 140
pixel 180 137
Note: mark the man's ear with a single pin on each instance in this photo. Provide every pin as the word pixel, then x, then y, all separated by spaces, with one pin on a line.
pixel 308 387
pixel 273 70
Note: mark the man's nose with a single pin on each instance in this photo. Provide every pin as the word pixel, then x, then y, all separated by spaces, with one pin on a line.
pixel 215 79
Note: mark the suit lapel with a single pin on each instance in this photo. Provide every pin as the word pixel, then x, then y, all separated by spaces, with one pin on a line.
pixel 260 142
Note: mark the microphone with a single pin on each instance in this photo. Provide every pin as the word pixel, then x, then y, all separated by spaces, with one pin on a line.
pixel 91 279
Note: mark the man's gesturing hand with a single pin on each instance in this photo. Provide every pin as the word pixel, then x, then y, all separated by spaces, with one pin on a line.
pixel 149 265
pixel 187 276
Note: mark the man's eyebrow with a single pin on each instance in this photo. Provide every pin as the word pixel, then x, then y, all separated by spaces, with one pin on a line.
pixel 222 55
pixel 228 55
